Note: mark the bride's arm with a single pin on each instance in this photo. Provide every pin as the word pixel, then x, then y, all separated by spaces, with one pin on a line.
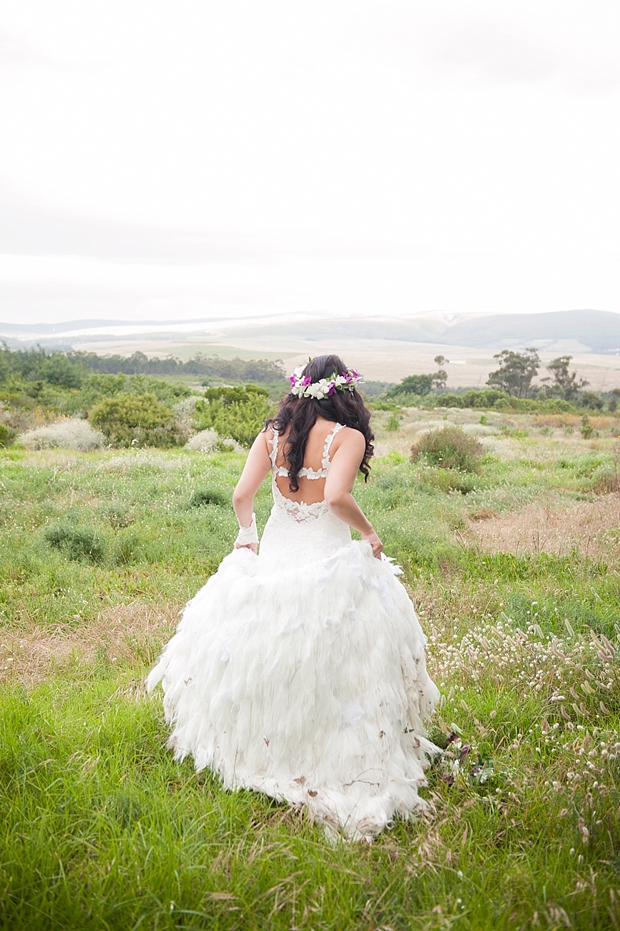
pixel 257 467
pixel 345 462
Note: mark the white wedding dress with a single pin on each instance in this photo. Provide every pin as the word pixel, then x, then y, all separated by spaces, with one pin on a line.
pixel 301 672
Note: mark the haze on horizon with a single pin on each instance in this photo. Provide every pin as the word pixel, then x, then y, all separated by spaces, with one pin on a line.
pixel 168 161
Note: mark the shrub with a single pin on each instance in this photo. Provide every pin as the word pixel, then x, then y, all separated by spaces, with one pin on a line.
pixel 449 400
pixel 76 542
pixel 136 420
pixel 130 548
pixel 208 441
pixel 64 434
pixel 490 397
pixel 6 436
pixel 591 400
pixel 448 480
pixel 58 369
pixel 236 412
pixel 202 496
pixel 448 448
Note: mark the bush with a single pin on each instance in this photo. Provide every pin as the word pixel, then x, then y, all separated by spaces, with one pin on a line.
pixel 208 441
pixel 6 436
pixel 448 448
pixel 449 400
pixel 76 542
pixel 393 423
pixel 591 400
pixel 58 369
pixel 497 400
pixel 236 412
pixel 64 434
pixel 586 428
pixel 202 496
pixel 136 420
pixel 448 480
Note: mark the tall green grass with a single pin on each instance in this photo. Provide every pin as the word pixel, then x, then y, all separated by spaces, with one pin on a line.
pixel 100 829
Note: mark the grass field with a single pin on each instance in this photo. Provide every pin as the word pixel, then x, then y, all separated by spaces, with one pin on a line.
pixel 515 572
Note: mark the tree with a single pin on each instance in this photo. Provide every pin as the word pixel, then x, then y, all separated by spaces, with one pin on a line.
pixel 412 384
pixel 58 369
pixel 419 384
pixel 565 384
pixel 516 371
pixel 592 400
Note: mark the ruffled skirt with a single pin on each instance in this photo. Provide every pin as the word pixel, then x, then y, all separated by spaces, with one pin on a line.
pixel 307 683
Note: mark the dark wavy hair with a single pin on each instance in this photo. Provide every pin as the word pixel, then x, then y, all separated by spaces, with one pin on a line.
pixel 297 416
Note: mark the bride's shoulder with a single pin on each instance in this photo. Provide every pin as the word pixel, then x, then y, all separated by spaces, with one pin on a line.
pixel 349 438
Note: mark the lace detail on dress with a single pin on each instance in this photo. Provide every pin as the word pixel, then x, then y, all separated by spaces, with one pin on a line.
pixel 299 510
pixel 325 461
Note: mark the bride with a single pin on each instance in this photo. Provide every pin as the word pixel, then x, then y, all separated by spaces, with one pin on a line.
pixel 300 671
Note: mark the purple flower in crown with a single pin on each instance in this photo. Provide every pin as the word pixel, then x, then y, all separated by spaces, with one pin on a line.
pixel 353 373
pixel 292 379
pixel 306 381
pixel 331 389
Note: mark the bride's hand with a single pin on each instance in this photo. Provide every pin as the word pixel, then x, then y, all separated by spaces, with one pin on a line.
pixel 247 546
pixel 375 542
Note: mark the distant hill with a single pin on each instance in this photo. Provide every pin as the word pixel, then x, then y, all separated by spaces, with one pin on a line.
pixel 596 330
pixel 565 331
pixel 562 332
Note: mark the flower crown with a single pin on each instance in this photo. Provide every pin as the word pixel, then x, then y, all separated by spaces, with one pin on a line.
pixel 302 386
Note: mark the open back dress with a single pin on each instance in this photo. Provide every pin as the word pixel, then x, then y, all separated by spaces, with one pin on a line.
pixel 301 672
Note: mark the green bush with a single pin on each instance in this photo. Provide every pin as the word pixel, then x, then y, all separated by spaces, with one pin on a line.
pixel 6 436
pixel 449 448
pixel 136 420
pixel 58 369
pixel 497 400
pixel 238 413
pixel 76 542
pixel 202 496
pixel 591 400
pixel 449 400
pixel 393 423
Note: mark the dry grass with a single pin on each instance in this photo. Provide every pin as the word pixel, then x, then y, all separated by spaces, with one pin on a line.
pixel 555 526
pixel 117 634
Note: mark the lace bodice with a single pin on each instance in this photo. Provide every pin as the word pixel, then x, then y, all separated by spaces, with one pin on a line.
pixel 300 510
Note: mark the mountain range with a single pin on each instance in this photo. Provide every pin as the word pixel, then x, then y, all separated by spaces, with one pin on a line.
pixel 561 331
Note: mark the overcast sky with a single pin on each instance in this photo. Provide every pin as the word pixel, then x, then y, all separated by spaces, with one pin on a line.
pixel 180 159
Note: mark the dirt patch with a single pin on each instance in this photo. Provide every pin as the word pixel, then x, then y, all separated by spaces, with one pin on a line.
pixel 121 633
pixel 556 526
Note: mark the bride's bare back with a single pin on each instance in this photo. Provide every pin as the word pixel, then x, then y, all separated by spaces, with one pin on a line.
pixel 322 440
pixel 346 451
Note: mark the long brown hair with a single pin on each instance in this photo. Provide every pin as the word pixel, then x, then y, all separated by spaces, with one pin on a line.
pixel 297 416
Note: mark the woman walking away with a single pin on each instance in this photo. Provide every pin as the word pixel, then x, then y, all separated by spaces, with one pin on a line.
pixel 300 671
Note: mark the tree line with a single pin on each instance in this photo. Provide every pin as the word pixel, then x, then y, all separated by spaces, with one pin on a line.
pixel 68 370
pixel 515 377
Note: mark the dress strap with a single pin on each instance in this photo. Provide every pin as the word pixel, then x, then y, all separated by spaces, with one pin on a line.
pixel 274 447
pixel 328 442
pixel 275 468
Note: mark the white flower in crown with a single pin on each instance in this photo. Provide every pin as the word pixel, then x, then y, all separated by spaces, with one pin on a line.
pixel 302 386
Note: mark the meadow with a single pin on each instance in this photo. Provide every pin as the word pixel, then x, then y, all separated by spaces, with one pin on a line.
pixel 515 572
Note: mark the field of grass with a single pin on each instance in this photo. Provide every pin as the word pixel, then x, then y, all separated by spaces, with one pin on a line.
pixel 515 572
